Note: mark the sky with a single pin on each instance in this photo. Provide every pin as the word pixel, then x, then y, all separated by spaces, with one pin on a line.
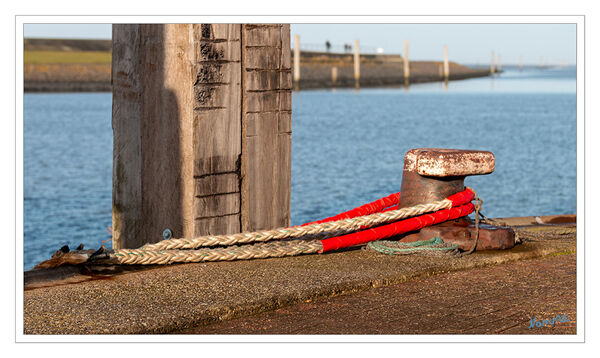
pixel 467 43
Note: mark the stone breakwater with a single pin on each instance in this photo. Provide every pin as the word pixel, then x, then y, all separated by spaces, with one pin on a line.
pixel 67 78
pixel 315 72
pixel 314 75
pixel 96 77
pixel 316 69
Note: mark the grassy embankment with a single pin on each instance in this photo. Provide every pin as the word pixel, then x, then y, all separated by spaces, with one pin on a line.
pixel 66 57
pixel 58 70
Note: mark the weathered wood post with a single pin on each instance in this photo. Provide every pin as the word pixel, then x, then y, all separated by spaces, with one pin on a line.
pixel 334 74
pixel 499 63
pixel 356 64
pixel 202 130
pixel 297 61
pixel 446 65
pixel 406 63
pixel 520 63
pixel 492 65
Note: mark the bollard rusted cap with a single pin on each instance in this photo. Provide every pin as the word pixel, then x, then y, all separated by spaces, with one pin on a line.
pixel 438 162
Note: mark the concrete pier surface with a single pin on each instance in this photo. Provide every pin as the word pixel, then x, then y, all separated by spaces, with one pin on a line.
pixel 486 292
pixel 497 299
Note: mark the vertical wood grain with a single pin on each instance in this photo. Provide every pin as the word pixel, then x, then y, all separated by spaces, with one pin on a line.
pixel 202 130
pixel 217 127
pixel 126 111
pixel 266 171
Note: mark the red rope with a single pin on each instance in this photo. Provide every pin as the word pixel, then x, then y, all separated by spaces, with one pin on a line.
pixel 461 206
pixel 367 209
pixel 397 228
pixel 462 198
pixel 390 208
pixel 388 203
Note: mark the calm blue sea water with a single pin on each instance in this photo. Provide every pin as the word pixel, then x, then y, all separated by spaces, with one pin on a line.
pixel 347 148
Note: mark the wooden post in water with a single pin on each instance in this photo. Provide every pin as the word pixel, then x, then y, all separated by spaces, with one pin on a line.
pixel 520 63
pixel 499 63
pixel 406 63
pixel 492 66
pixel 356 64
pixel 202 130
pixel 334 74
pixel 297 61
pixel 446 65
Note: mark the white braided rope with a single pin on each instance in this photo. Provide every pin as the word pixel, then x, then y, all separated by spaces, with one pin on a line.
pixel 245 252
pixel 333 227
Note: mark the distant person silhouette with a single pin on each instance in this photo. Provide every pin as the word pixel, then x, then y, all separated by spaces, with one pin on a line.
pixel 328 45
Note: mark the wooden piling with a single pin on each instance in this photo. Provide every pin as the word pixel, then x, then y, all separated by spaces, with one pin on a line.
pixel 520 63
pixel 202 154
pixel 499 63
pixel 297 60
pixel 406 62
pixel 446 65
pixel 492 65
pixel 266 164
pixel 334 74
pixel 356 62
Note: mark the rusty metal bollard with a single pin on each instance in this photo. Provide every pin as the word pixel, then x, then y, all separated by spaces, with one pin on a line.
pixel 432 174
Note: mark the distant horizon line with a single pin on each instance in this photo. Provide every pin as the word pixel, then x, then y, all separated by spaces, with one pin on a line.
pixel 529 64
